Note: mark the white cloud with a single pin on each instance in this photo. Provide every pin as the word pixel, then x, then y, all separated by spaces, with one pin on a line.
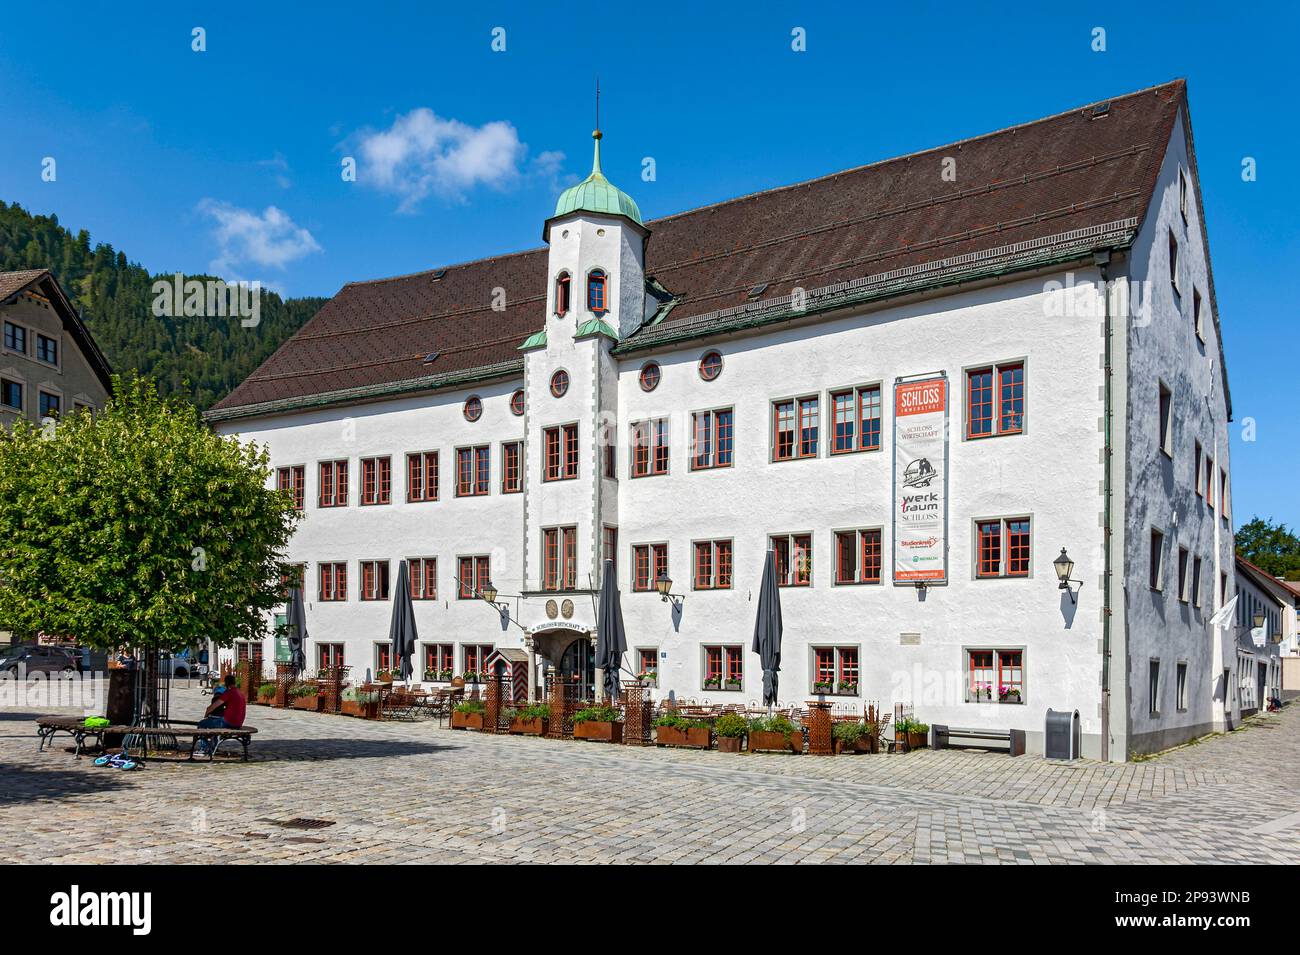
pixel 422 154
pixel 269 240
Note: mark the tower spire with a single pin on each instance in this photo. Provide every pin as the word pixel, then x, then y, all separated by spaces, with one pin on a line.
pixel 596 135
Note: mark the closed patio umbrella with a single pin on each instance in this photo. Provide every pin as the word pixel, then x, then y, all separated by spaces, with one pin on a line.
pixel 767 630
pixel 296 624
pixel 611 639
pixel 401 631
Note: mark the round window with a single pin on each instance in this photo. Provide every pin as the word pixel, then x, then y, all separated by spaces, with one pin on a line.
pixel 650 376
pixel 473 408
pixel 559 383
pixel 517 402
pixel 710 365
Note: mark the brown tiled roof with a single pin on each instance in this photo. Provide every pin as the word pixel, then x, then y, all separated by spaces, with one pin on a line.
pixel 12 283
pixel 1081 169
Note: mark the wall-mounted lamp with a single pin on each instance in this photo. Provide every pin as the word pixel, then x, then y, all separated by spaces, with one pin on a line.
pixel 1064 568
pixel 488 594
pixel 664 584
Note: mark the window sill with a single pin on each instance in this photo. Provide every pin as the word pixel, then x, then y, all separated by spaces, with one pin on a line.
pixel 833 453
pixel 856 583
pixel 722 689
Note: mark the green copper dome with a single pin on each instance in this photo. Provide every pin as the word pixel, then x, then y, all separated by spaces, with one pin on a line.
pixel 597 194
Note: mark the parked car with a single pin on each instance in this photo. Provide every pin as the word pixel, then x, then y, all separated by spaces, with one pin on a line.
pixel 38 659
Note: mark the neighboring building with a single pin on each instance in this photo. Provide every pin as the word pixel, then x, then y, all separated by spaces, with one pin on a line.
pixel 49 364
pixel 1257 674
pixel 683 394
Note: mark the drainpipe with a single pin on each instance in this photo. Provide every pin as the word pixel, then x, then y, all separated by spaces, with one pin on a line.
pixel 1102 260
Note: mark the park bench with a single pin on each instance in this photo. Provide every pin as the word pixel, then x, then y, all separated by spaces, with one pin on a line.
pixel 942 737
pixel 47 727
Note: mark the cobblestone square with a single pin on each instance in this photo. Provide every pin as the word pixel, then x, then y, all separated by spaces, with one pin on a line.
pixel 414 792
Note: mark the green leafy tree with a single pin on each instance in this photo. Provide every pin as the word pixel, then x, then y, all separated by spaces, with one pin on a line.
pixel 138 527
pixel 1271 547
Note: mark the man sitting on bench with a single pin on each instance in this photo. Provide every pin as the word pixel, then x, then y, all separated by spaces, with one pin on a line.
pixel 231 706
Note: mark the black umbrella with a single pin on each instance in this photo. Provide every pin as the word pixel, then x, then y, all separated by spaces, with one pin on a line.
pixel 611 639
pixel 767 630
pixel 401 631
pixel 296 624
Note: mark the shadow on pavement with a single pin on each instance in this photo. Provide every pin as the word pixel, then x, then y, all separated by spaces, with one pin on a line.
pixel 25 783
pixel 307 750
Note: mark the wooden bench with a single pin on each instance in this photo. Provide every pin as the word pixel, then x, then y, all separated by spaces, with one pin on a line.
pixel 941 737
pixel 48 727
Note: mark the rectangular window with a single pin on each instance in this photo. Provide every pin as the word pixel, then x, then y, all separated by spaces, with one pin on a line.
pixel 475 573
pixel 1003 547
pixel 995 400
pixel 1184 581
pixel 47 349
pixel 422 476
pixel 1196 473
pixel 1155 574
pixel 648 562
pixel 333 580
pixel 857 556
pixel 561 444
pixel 473 470
pixel 712 438
pixel 511 481
pixel 15 338
pixel 1166 420
pixel 376 480
pixel 1173 261
pixel 609 547
pixel 49 404
pixel 648 664
pixel 374 580
pixel 1198 318
pixel 439 661
pixel 650 447
pixel 569 557
pixel 11 394
pixel 1223 493
pixel 995 675
pixel 856 424
pixel 724 668
pixel 550 558
pixel 1011 676
pixel 793 559
pixel 1196 581
pixel 795 428
pixel 1182 193
pixel 1153 687
pixel 835 670
pixel 609 454
pixel 293 479
pixel 712 570
pixel 1180 687
pixel 333 484
pixel 475 657
pixel 980 671
pixel 423 572
pixel 329 655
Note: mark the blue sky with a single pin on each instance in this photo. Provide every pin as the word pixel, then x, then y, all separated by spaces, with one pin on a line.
pixel 230 159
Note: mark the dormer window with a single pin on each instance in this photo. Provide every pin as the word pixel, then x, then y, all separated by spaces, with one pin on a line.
pixel 562 285
pixel 597 303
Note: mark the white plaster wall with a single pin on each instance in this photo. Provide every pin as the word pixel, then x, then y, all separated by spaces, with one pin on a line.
pixel 1160 492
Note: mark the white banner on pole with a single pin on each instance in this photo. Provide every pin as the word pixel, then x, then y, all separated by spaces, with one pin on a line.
pixel 920 481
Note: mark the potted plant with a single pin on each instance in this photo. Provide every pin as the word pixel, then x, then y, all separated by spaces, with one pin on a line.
pixel 649 677
pixel 713 682
pixel 429 675
pixel 734 684
pixel 384 676
pixel 266 693
pixel 673 729
pixel 444 676
pixel 913 732
pixel 305 697
pixel 471 676
pixel 823 686
pixel 530 720
pixel 848 687
pixel 854 737
pixel 468 715
pixel 982 691
pixel 598 723
pixel 774 734
pixel 1009 694
pixel 730 729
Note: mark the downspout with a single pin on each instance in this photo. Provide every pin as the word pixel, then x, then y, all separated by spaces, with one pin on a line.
pixel 1102 259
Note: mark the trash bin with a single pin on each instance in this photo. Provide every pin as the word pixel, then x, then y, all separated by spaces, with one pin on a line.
pixel 1061 735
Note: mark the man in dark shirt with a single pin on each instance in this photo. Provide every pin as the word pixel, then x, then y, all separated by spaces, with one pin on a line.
pixel 226 711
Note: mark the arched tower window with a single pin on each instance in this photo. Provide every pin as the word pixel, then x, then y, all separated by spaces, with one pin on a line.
pixel 597 300
pixel 562 284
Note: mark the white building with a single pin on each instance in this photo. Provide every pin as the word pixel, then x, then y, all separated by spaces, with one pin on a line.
pixel 681 395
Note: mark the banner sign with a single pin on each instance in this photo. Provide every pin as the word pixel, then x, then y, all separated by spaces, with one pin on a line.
pixel 920 481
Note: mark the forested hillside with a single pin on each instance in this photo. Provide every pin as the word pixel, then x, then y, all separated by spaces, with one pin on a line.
pixel 197 358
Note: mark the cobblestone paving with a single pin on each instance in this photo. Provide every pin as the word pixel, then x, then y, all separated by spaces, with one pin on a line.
pixel 414 792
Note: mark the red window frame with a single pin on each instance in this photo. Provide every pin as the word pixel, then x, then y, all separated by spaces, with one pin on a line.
pixel 1018 546
pixel 421 476
pixel 710 365
pixel 332 577
pixel 735 659
pixel 979 671
pixel 423 574
pixel 790 572
pixel 551 462
pixel 712 439
pixel 848 670
pixel 517 403
pixel 713 664
pixel 988 559
pixel 374 580
pixel 1011 672
pixel 650 447
pixel 550 558
pixel 609 546
pixel 440 658
pixel 871 555
pixel 703 560
pixel 597 292
pixel 648 562
pixel 824 666
pixel 560 383
pixel 294 480
pixel 647 661
pixel 570 452
pixel 376 480
pixel 650 376
pixel 1003 547
pixel 473 470
pixel 511 482
pixel 329 655
pixel 995 400
pixel 569 557
pixel 563 287
pixel 795 428
pixel 475 572
pixel 856 419
pixel 333 484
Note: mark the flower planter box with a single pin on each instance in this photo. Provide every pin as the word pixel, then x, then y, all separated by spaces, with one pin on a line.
pixel 601 732
pixel 466 721
pixel 536 726
pixel 863 744
pixel 916 740
pixel 762 742
pixel 696 737
pixel 366 710
pixel 729 744
pixel 311 703
pixel 266 700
